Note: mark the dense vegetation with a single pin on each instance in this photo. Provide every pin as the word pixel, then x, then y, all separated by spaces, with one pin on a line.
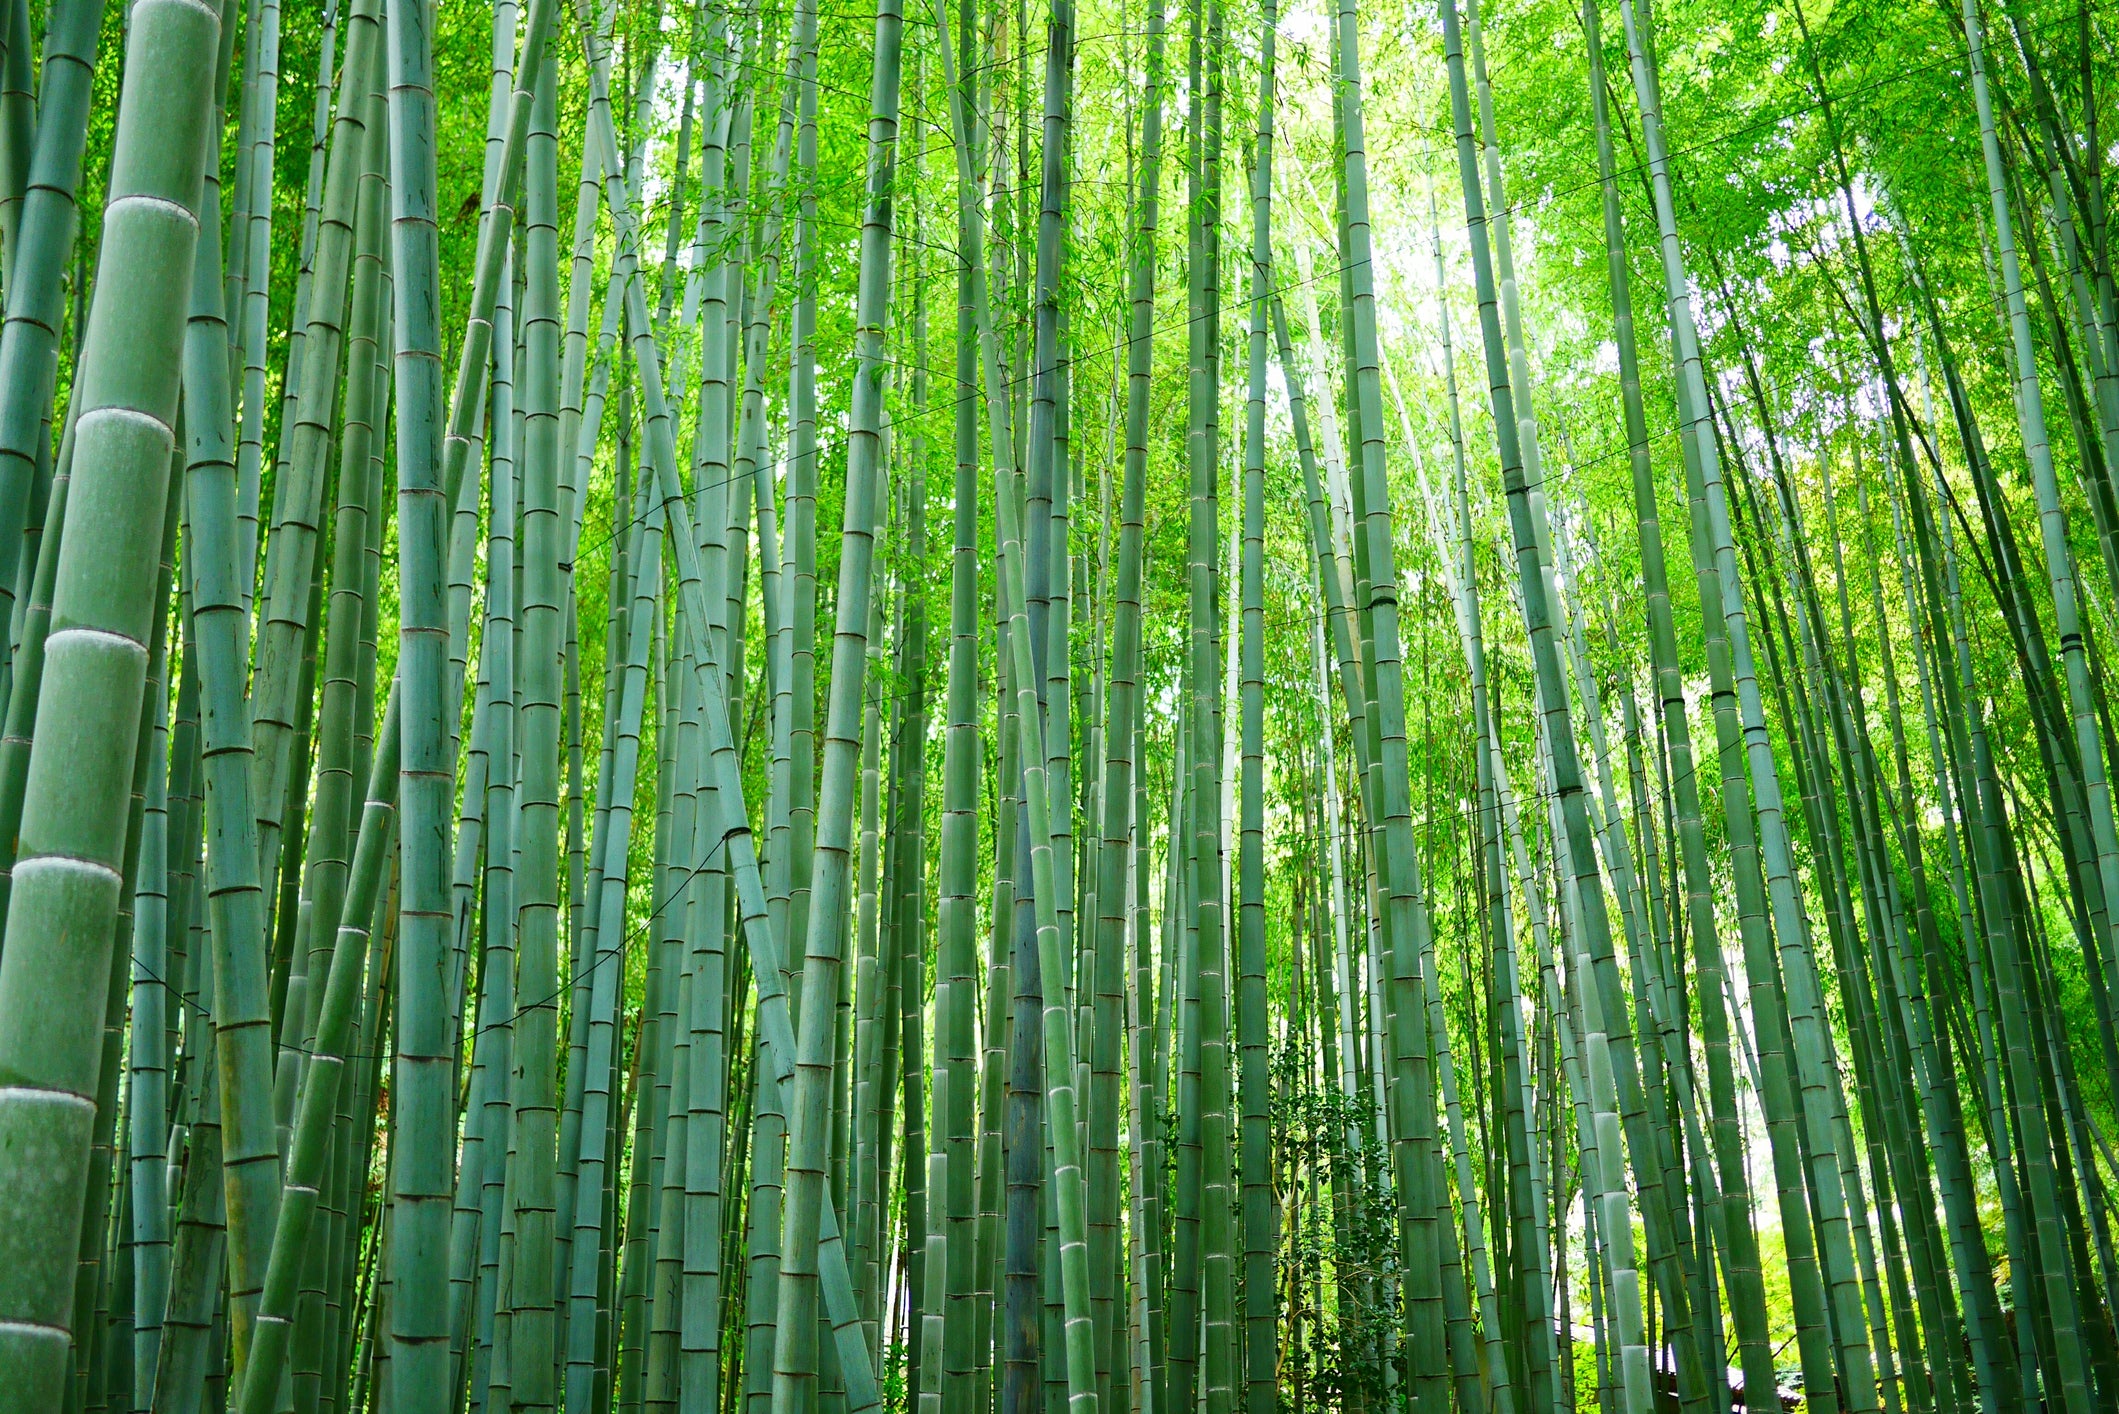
pixel 1101 707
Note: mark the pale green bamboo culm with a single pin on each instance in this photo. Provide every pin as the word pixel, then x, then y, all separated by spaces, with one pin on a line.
pixel 422 1093
pixel 54 969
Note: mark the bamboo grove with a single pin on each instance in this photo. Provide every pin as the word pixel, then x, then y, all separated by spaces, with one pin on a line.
pixel 1106 707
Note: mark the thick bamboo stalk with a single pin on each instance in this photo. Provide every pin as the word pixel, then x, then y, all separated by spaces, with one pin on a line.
pixel 242 1021
pixel 67 877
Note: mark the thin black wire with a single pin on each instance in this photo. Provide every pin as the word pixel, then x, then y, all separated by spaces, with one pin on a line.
pixel 935 409
pixel 1095 355
pixel 1863 90
pixel 630 936
pixel 1461 811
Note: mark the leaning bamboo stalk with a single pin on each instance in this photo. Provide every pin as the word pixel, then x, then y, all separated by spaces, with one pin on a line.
pixel 299 499
pixel 333 985
pixel 1459 578
pixel 1970 749
pixel 1057 1027
pixel 1858 998
pixel 2072 1377
pixel 1528 1180
pixel 1477 1303
pixel 1804 1015
pixel 1669 1242
pixel 39 244
pixel 1765 903
pixel 1746 1293
pixel 17 116
pixel 1592 928
pixel 334 808
pixel 775 1022
pixel 341 998
pixel 1993 1362
pixel 1412 1131
pixel 792 1362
